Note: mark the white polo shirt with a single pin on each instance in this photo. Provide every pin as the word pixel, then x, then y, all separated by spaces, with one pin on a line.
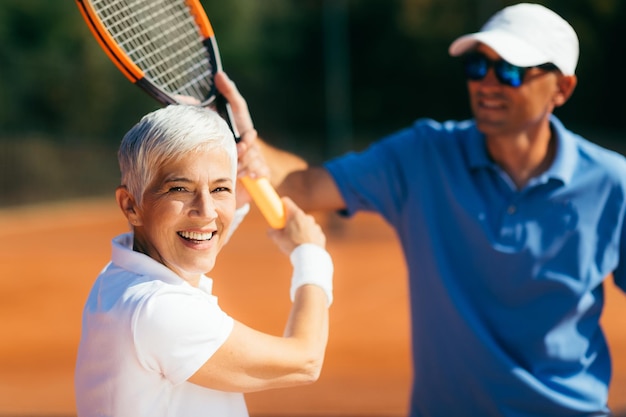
pixel 145 331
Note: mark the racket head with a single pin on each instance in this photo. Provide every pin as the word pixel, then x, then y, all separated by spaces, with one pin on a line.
pixel 166 47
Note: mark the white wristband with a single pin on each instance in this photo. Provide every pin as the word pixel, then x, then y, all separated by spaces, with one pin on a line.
pixel 312 265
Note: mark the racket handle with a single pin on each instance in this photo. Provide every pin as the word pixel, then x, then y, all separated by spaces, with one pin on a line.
pixel 267 200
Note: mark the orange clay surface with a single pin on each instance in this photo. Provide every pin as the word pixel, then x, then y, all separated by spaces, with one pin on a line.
pixel 49 256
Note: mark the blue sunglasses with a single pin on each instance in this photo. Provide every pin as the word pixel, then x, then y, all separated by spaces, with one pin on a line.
pixel 477 65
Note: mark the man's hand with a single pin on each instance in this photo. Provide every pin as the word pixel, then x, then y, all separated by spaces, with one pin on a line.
pixel 238 104
pixel 250 163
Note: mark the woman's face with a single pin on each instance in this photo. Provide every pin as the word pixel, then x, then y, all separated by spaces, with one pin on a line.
pixel 186 213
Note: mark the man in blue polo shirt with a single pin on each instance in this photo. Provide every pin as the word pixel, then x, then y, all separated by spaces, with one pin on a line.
pixel 509 222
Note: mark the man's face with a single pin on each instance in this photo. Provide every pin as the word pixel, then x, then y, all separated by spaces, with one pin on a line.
pixel 502 110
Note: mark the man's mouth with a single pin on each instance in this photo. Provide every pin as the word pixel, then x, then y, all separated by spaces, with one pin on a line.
pixel 491 104
pixel 196 236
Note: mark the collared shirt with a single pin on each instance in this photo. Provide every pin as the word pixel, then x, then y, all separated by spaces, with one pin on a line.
pixel 145 332
pixel 506 283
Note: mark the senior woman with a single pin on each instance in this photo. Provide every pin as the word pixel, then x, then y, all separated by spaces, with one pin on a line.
pixel 154 340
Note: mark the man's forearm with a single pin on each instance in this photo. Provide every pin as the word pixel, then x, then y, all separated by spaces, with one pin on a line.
pixel 281 163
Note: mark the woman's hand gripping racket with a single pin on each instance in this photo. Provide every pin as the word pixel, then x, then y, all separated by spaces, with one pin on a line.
pixel 168 48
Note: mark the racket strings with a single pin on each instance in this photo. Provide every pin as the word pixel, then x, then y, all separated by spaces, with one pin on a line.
pixel 162 38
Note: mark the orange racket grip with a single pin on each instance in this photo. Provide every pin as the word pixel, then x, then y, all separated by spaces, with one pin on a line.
pixel 267 200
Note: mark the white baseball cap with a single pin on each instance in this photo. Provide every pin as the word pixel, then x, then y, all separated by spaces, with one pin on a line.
pixel 526 35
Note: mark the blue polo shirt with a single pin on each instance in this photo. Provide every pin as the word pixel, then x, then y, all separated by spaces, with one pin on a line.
pixel 506 283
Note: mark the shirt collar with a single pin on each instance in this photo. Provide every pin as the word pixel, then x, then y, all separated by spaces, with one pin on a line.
pixel 125 257
pixel 562 167
pixel 566 157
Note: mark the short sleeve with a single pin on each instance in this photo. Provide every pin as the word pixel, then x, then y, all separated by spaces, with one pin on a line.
pixel 373 179
pixel 177 330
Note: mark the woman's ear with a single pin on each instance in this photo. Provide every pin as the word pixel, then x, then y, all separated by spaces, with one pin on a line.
pixel 128 206
pixel 566 85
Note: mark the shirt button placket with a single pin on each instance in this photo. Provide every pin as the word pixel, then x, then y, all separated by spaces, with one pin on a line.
pixel 509 230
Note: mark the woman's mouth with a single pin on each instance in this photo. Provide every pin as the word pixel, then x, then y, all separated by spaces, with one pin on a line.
pixel 196 236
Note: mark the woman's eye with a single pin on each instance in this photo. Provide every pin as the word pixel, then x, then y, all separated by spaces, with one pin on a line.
pixel 221 189
pixel 177 189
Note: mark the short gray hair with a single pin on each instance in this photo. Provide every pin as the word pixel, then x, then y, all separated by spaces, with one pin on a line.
pixel 166 135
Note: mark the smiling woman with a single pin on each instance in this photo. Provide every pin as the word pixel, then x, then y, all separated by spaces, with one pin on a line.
pixel 187 198
pixel 151 324
pixel 190 205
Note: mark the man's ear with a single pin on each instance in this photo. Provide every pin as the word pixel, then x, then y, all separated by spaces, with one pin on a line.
pixel 566 85
pixel 128 206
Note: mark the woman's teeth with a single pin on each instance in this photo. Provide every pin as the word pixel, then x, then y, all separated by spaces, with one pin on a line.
pixel 195 235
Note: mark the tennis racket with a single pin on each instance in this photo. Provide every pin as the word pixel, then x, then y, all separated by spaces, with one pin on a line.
pixel 168 48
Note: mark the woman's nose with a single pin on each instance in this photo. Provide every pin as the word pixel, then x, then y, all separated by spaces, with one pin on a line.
pixel 203 205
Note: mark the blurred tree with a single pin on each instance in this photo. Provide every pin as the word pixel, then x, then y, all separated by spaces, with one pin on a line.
pixel 58 86
pixel 55 79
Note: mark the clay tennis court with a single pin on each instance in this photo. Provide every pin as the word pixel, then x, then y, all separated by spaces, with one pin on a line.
pixel 49 256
